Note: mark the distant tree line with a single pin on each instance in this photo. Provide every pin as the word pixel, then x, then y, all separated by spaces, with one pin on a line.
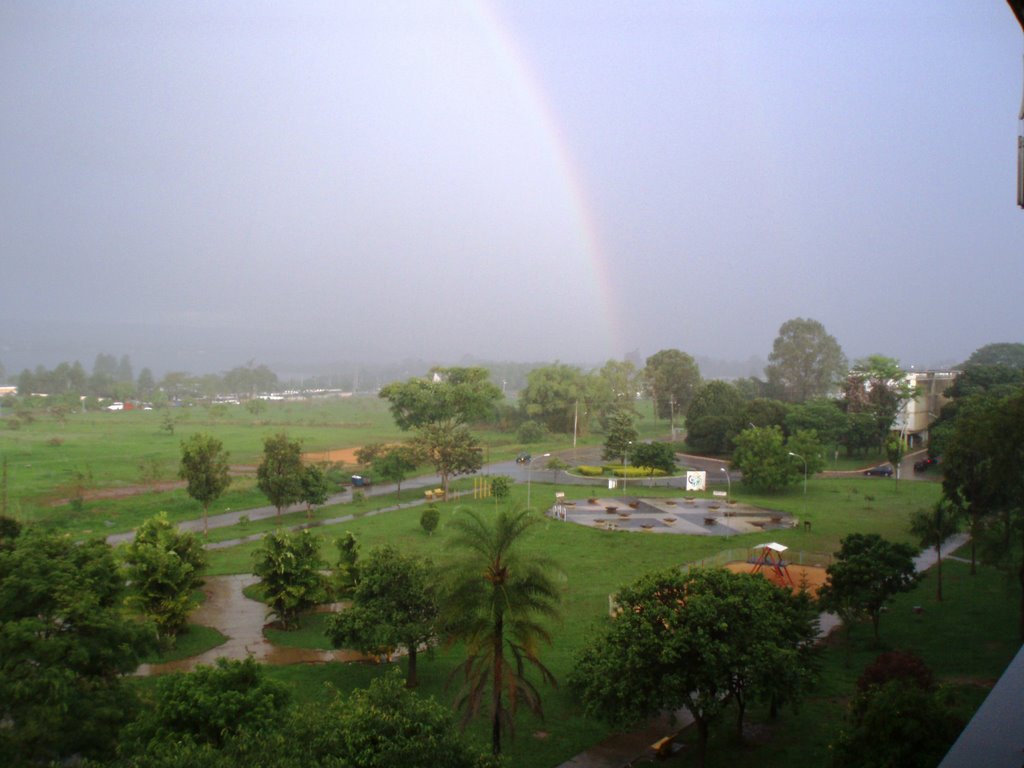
pixel 112 377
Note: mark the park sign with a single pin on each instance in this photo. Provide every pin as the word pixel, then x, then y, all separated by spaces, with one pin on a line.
pixel 696 480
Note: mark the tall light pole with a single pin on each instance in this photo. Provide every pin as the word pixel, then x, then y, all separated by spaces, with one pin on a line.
pixel 625 464
pixel 529 477
pixel 805 471
pixel 728 479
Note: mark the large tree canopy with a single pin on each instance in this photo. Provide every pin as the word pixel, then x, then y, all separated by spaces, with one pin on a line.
pixel 65 643
pixel 672 378
pixel 445 396
pixel 714 417
pixel 1003 353
pixel 556 396
pixel 204 467
pixel 695 640
pixel 805 361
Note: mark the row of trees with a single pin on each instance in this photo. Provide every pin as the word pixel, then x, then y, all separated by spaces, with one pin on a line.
pixel 113 377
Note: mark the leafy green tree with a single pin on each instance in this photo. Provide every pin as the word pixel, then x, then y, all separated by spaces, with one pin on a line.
pixel 383 726
pixel 878 386
pixel 288 565
pixel 452 451
pixel 497 595
pixel 440 408
pixel 164 567
pixel 620 434
pixel 394 606
pixel 805 361
pixel 396 464
pixel 557 396
pixel 866 574
pixel 212 705
pixel 654 456
pixel 501 487
pixel 204 467
pixel 894 450
pixel 762 457
pixel 448 396
pixel 825 417
pixel 316 488
pixel 279 474
pixel 932 527
pixel 714 418
pixel 346 572
pixel 672 378
pixel 65 645
pixel 983 478
pixel 765 412
pixel 1010 355
pixel 695 640
pixel 897 718
pixel 613 387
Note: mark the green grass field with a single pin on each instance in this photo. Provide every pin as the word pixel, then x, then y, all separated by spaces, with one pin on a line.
pixel 967 639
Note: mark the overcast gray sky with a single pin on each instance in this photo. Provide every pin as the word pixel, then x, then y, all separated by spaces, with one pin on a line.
pixel 548 180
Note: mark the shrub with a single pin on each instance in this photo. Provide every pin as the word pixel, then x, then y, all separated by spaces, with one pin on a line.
pixel 531 432
pixel 429 519
pixel 589 471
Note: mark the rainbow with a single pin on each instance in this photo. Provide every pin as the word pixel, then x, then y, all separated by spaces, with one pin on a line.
pixel 529 91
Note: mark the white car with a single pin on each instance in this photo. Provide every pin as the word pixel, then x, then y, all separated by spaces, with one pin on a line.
pixel 115 407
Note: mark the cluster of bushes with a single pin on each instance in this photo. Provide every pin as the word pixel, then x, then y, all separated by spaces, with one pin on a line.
pixel 617 470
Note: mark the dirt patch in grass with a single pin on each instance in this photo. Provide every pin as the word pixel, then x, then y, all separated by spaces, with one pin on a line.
pixel 334 456
pixel 801 575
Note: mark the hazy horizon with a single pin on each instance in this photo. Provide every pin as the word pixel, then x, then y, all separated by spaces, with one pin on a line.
pixel 199 185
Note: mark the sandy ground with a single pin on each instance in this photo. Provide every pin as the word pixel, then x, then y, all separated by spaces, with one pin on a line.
pixel 334 456
pixel 809 575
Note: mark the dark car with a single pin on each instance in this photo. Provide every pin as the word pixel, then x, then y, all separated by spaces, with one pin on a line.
pixel 924 464
pixel 523 458
pixel 881 471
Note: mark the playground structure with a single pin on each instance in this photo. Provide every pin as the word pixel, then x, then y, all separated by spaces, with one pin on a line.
pixel 770 556
pixel 687 514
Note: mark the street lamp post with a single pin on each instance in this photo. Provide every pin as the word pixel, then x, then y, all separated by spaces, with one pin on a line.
pixel 625 464
pixel 805 471
pixel 529 477
pixel 728 480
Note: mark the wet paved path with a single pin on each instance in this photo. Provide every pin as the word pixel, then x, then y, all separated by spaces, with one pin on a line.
pixel 241 620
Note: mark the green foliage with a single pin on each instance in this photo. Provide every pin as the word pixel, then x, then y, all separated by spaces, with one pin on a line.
pixel 210 706
pixel 878 386
pixel 824 416
pixel 316 488
pixel 204 467
pixel 658 458
pixel 556 396
pixel 765 412
pixel 590 471
pixel 672 378
pixel 501 487
pixel 805 361
pixel 867 573
pixel 764 457
pixel 279 474
pixel 1010 355
pixel 64 645
pixel 452 450
pixel 163 567
pixel 429 519
pixel 288 565
pixel 393 606
pixel 897 718
pixel 395 463
pixel 531 431
pixel 445 396
pixel 346 572
pixel 495 596
pixel 713 418
pixel 385 726
pixel 620 433
pixel 694 640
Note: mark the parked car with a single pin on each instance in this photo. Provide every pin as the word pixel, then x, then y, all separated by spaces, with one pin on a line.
pixel 924 464
pixel 883 470
pixel 523 458
pixel 361 481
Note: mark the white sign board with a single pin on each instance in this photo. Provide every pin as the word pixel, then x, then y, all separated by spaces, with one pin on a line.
pixel 695 481
pixel 720 493
pixel 611 484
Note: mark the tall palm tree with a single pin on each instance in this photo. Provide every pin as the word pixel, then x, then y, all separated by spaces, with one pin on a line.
pixel 495 599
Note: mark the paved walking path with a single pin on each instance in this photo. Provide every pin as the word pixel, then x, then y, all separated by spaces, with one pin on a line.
pixel 621 749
